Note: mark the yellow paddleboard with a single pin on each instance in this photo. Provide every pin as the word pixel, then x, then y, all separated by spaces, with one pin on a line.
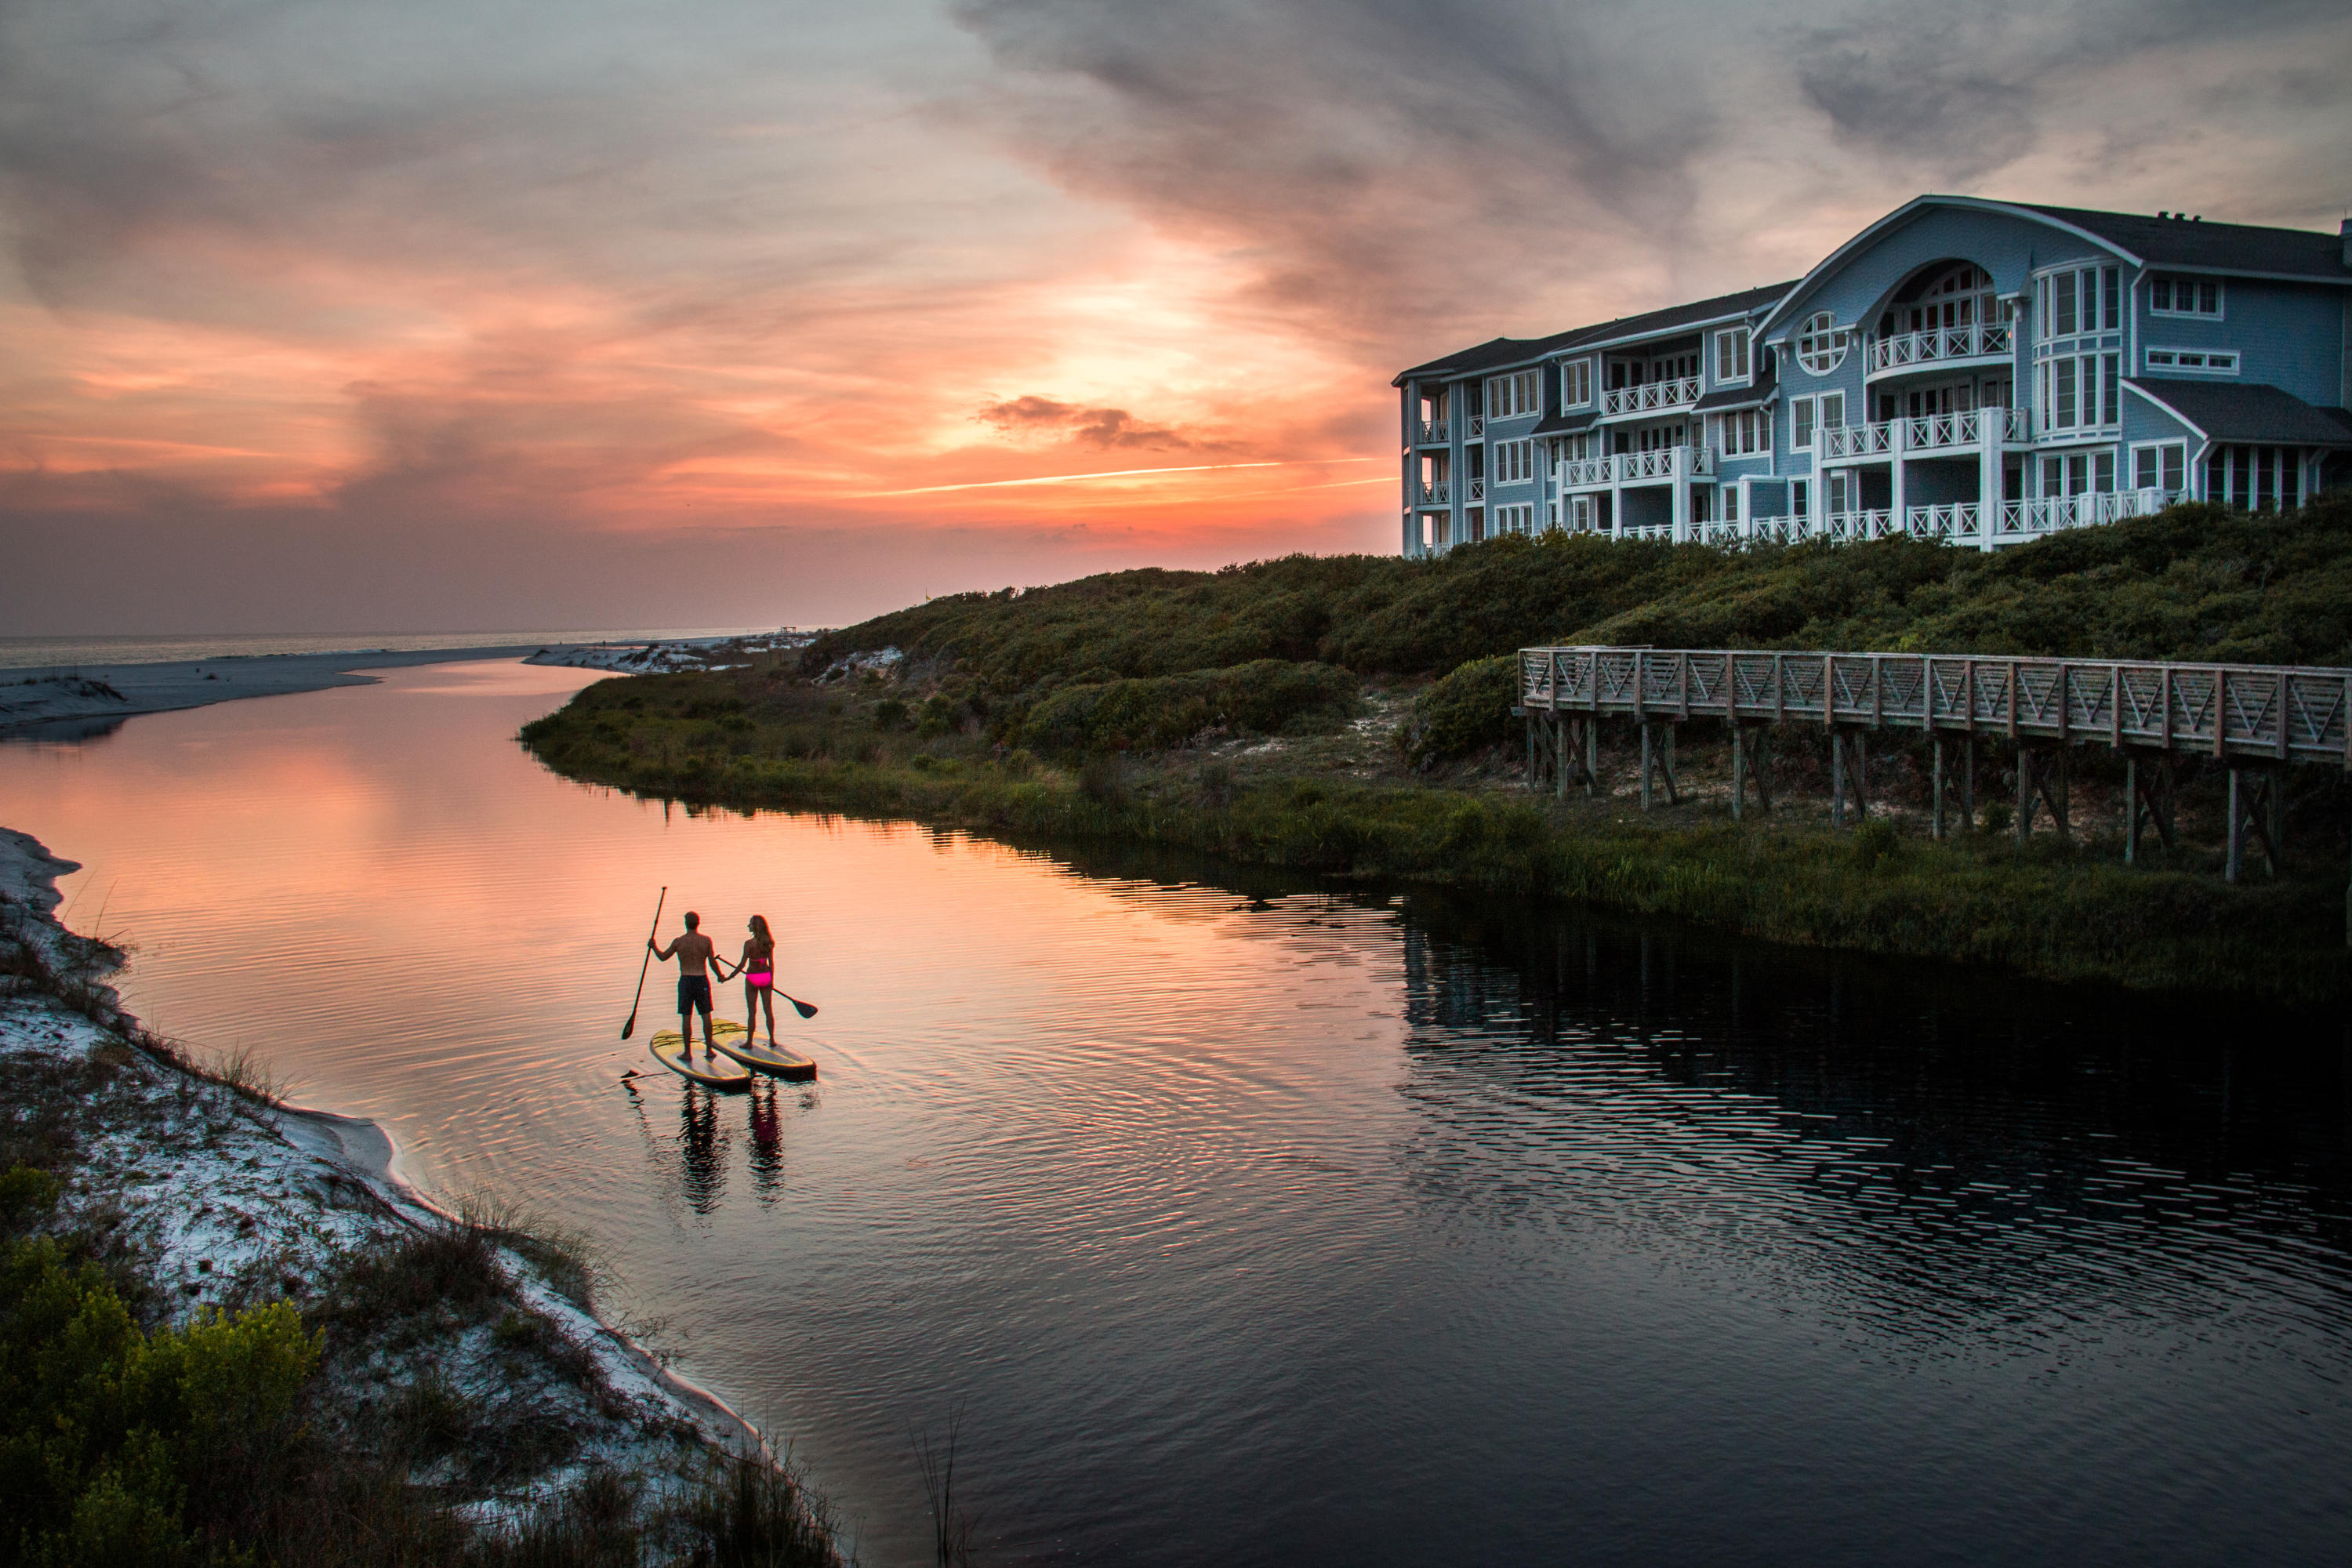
pixel 777 1061
pixel 715 1072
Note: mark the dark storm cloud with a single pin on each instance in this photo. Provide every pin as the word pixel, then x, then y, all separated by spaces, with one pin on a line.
pixel 1955 93
pixel 1368 153
pixel 1391 159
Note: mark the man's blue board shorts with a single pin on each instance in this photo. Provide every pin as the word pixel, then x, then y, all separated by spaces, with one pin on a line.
pixel 694 991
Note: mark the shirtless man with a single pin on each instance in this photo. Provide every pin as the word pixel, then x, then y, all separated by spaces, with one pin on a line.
pixel 693 952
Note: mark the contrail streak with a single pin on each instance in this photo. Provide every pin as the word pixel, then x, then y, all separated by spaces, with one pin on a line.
pixel 1110 474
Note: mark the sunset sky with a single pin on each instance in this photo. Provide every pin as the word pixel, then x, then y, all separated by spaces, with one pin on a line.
pixel 367 315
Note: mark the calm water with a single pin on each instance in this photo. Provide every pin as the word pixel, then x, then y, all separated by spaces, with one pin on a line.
pixel 78 652
pixel 1256 1222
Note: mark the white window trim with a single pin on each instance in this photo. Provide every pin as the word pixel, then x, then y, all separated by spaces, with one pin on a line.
pixel 1841 337
pixel 2237 359
pixel 1807 424
pixel 1746 374
pixel 1567 369
pixel 2136 447
pixel 2221 311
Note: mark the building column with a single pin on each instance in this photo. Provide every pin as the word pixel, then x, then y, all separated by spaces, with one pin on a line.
pixel 1682 493
pixel 1994 430
pixel 1616 507
pixel 1899 452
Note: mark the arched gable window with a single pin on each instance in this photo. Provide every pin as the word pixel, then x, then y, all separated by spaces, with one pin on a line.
pixel 1959 295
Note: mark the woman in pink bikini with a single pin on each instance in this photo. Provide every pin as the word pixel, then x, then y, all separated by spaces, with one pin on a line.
pixel 758 968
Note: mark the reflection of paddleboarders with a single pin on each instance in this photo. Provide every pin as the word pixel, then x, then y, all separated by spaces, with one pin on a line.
pixel 693 950
pixel 758 968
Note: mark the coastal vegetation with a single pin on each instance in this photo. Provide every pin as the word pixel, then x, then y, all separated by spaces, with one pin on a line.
pixel 1149 707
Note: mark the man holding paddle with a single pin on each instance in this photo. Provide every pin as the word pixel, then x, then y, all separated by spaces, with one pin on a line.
pixel 694 953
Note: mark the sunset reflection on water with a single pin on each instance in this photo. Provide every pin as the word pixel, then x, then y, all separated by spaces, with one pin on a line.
pixel 1255 1220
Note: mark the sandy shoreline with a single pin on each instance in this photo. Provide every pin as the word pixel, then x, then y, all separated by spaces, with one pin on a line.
pixel 224 1194
pixel 98 697
pixel 95 697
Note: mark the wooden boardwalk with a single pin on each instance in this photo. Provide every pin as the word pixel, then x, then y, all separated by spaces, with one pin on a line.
pixel 2255 719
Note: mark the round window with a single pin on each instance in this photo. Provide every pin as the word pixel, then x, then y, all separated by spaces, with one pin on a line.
pixel 1820 345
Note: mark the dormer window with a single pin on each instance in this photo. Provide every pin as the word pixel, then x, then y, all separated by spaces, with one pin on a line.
pixel 1731 354
pixel 1576 383
pixel 1821 345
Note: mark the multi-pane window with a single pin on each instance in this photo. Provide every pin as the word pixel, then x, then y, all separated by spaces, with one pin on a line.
pixel 1508 396
pixel 2224 362
pixel 1833 410
pixel 1801 424
pixel 1576 383
pixel 2081 391
pixel 2184 296
pixel 2163 467
pixel 1512 462
pixel 2080 299
pixel 1820 346
pixel 1740 434
pixel 1731 354
pixel 1514 518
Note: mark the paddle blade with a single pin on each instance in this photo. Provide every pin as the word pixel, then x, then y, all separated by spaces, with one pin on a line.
pixel 630 1027
pixel 805 1009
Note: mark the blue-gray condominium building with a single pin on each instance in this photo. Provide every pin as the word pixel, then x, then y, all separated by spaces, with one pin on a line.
pixel 1978 371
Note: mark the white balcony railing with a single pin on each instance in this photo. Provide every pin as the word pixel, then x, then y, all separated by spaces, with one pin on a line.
pixel 1475 427
pixel 1434 494
pixel 2026 518
pixel 1651 397
pixel 1431 430
pixel 1477 489
pixel 1659 465
pixel 1844 442
pixel 1929 433
pixel 1938 345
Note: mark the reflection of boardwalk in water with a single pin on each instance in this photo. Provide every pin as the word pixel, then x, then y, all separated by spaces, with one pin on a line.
pixel 1953 1167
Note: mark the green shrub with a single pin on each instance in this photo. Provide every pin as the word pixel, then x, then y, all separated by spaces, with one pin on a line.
pixel 889 713
pixel 1268 696
pixel 104 1430
pixel 1470 708
pixel 1999 817
pixel 1875 842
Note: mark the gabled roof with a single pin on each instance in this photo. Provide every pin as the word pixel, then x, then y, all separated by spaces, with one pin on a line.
pixel 1497 353
pixel 2241 411
pixel 2213 247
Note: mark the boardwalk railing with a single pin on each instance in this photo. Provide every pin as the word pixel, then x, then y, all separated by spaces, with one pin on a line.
pixel 2244 711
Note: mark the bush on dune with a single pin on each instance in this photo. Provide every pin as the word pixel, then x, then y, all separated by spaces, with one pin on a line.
pixel 1267 696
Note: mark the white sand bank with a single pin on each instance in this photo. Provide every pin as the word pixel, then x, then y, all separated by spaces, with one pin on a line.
pixel 96 696
pixel 225 1201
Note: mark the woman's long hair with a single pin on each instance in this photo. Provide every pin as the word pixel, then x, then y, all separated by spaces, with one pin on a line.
pixel 759 929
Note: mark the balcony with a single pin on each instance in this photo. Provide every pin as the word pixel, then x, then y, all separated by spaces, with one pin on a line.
pixel 1924 436
pixel 1937 346
pixel 1660 466
pixel 1651 397
pixel 1478 489
pixel 1433 432
pixel 1431 495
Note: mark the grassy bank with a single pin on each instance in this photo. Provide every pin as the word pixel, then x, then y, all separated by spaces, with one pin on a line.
pixel 1345 804
pixel 1199 711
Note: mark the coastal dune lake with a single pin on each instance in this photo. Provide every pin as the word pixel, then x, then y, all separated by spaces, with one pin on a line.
pixel 1253 1220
